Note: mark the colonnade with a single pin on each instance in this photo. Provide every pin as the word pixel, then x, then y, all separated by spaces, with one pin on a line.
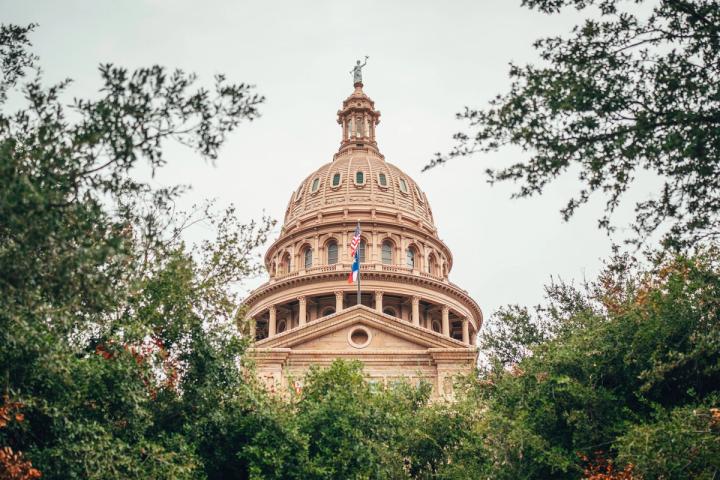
pixel 378 294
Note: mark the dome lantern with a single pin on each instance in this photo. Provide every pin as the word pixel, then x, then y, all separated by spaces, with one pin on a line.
pixel 358 119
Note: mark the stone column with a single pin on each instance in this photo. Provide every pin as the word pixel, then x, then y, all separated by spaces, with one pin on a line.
pixel 378 301
pixel 302 313
pixel 465 331
pixel 416 310
pixel 339 301
pixel 272 322
pixel 253 332
pixel 446 321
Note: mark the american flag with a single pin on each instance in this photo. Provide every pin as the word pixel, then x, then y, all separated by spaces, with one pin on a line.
pixel 355 242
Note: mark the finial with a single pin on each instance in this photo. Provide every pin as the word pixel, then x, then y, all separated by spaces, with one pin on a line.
pixel 357 72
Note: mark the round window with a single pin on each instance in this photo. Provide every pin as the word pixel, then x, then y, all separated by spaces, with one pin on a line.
pixel 359 337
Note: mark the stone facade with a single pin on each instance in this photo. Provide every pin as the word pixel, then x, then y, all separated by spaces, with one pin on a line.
pixel 410 321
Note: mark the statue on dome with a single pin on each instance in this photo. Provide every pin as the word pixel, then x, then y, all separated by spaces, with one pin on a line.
pixel 357 71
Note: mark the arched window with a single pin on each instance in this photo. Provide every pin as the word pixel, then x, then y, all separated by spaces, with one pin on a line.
pixel 436 326
pixel 387 252
pixel 390 311
pixel 327 311
pixel 359 178
pixel 410 257
pixel 315 185
pixel 336 180
pixel 432 265
pixel 332 252
pixel 281 326
pixel 285 264
pixel 361 251
pixel 308 258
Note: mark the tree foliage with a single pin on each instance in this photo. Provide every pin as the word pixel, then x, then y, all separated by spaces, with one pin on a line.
pixel 115 337
pixel 626 92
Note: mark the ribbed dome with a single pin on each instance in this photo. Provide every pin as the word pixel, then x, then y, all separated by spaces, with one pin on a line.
pixel 325 190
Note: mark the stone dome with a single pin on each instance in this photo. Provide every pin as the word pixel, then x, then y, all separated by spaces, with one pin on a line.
pixel 414 321
pixel 359 179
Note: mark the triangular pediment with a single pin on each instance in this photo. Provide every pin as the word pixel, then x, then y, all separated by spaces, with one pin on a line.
pixel 359 328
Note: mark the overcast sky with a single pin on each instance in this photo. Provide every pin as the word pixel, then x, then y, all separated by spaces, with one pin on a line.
pixel 428 59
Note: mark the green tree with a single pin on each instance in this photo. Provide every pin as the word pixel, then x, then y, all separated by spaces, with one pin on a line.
pixel 631 375
pixel 625 92
pixel 115 337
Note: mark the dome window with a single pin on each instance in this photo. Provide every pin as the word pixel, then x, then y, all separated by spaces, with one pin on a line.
pixel 382 180
pixel 298 194
pixel 332 252
pixel 359 178
pixel 308 258
pixel 410 257
pixel 403 185
pixel 432 265
pixel 387 252
pixel 285 263
pixel 419 195
pixel 336 180
pixel 361 251
pixel 315 185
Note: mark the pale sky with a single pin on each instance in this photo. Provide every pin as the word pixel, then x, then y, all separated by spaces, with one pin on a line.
pixel 428 59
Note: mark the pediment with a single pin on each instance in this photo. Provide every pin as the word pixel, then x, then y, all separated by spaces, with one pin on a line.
pixel 359 328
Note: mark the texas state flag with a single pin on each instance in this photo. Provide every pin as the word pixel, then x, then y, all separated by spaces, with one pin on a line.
pixel 355 267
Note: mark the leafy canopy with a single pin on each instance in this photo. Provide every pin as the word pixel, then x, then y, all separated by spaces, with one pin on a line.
pixel 624 93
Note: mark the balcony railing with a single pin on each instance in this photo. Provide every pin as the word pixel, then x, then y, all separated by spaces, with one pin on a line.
pixel 364 267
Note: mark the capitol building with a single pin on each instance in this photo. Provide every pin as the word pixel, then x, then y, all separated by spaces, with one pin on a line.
pixel 409 322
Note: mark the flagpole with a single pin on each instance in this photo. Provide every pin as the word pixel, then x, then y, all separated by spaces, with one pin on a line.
pixel 357 252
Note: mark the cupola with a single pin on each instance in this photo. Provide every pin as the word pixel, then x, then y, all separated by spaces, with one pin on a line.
pixel 358 119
